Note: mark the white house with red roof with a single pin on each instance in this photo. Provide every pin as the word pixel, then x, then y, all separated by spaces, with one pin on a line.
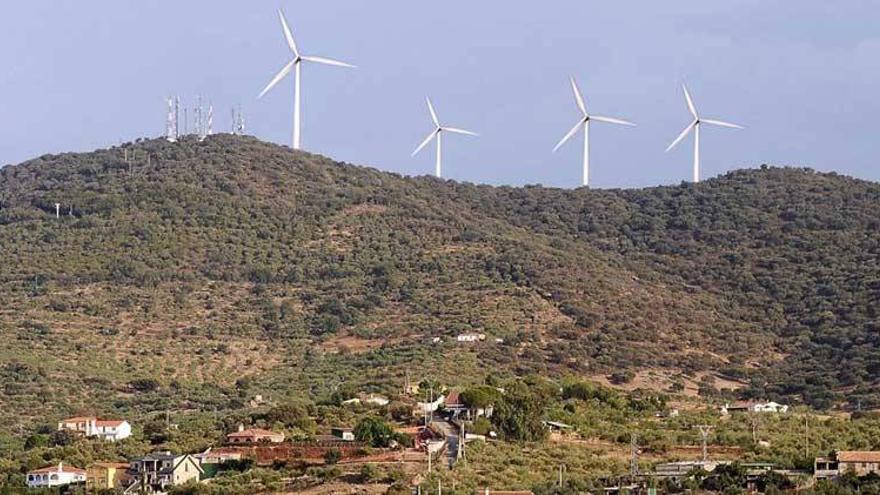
pixel 91 426
pixel 57 475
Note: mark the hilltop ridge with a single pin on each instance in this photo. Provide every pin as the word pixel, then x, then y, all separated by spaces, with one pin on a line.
pixel 232 258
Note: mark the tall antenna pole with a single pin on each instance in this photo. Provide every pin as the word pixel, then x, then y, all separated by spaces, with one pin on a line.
pixel 210 130
pixel 176 117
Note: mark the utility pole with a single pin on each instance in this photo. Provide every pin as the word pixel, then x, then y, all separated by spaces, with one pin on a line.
pixel 807 435
pixel 634 455
pixel 704 432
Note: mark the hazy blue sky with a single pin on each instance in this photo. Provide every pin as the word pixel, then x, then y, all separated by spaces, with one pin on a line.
pixel 803 76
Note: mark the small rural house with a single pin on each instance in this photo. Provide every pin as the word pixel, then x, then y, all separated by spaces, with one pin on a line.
pixel 860 463
pixel 57 475
pixel 470 337
pixel 217 456
pixel 254 435
pixel 344 434
pixel 106 476
pixel 755 407
pixel 156 472
pixel 90 426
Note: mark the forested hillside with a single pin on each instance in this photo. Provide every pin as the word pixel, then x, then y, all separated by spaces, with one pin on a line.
pixel 194 274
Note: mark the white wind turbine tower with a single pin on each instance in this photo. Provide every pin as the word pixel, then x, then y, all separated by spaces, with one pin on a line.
pixel 438 133
pixel 584 124
pixel 296 66
pixel 695 126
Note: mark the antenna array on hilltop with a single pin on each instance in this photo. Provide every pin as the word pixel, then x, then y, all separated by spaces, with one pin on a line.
pixel 203 120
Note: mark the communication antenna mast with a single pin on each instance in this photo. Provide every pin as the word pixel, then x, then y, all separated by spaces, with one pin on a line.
pixel 210 129
pixel 234 122
pixel 239 125
pixel 170 123
pixel 198 117
pixel 176 117
pixel 185 121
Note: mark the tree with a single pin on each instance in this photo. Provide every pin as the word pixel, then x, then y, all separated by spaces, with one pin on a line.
pixel 374 432
pixel 519 414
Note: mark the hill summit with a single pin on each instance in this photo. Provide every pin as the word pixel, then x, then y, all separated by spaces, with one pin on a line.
pixel 204 265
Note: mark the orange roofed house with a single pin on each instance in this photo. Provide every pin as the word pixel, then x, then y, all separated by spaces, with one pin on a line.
pixel 254 435
pixel 90 426
pixel 57 475
pixel 859 462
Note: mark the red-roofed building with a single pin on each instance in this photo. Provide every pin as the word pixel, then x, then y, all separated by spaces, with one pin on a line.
pixel 254 435
pixel 57 475
pixel 90 426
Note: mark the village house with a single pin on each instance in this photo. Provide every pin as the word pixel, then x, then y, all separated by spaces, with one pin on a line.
pixel 754 406
pixel 453 402
pixel 156 472
pixel 254 435
pixel 106 476
pixel 57 475
pixel 471 337
pixel 216 456
pixel 860 463
pixel 90 426
pixel 344 434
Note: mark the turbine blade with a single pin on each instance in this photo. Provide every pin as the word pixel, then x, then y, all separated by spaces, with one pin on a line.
pixel 459 131
pixel 722 123
pixel 578 97
pixel 426 141
pixel 287 34
pixel 433 112
pixel 327 61
pixel 278 77
pixel 681 136
pixel 690 101
pixel 611 120
pixel 568 136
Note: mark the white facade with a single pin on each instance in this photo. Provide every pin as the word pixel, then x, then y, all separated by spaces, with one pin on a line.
pixel 112 430
pixel 470 337
pixel 55 476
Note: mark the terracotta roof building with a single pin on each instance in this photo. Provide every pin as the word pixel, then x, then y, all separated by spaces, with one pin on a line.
pixel 56 475
pixel 254 435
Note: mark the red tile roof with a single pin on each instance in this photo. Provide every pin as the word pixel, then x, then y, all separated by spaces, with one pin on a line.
pixel 454 399
pixel 109 422
pixel 254 432
pixel 79 419
pixel 858 456
pixel 55 469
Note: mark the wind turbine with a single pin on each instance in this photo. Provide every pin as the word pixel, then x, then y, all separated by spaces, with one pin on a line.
pixel 437 133
pixel 584 124
pixel 296 66
pixel 695 126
